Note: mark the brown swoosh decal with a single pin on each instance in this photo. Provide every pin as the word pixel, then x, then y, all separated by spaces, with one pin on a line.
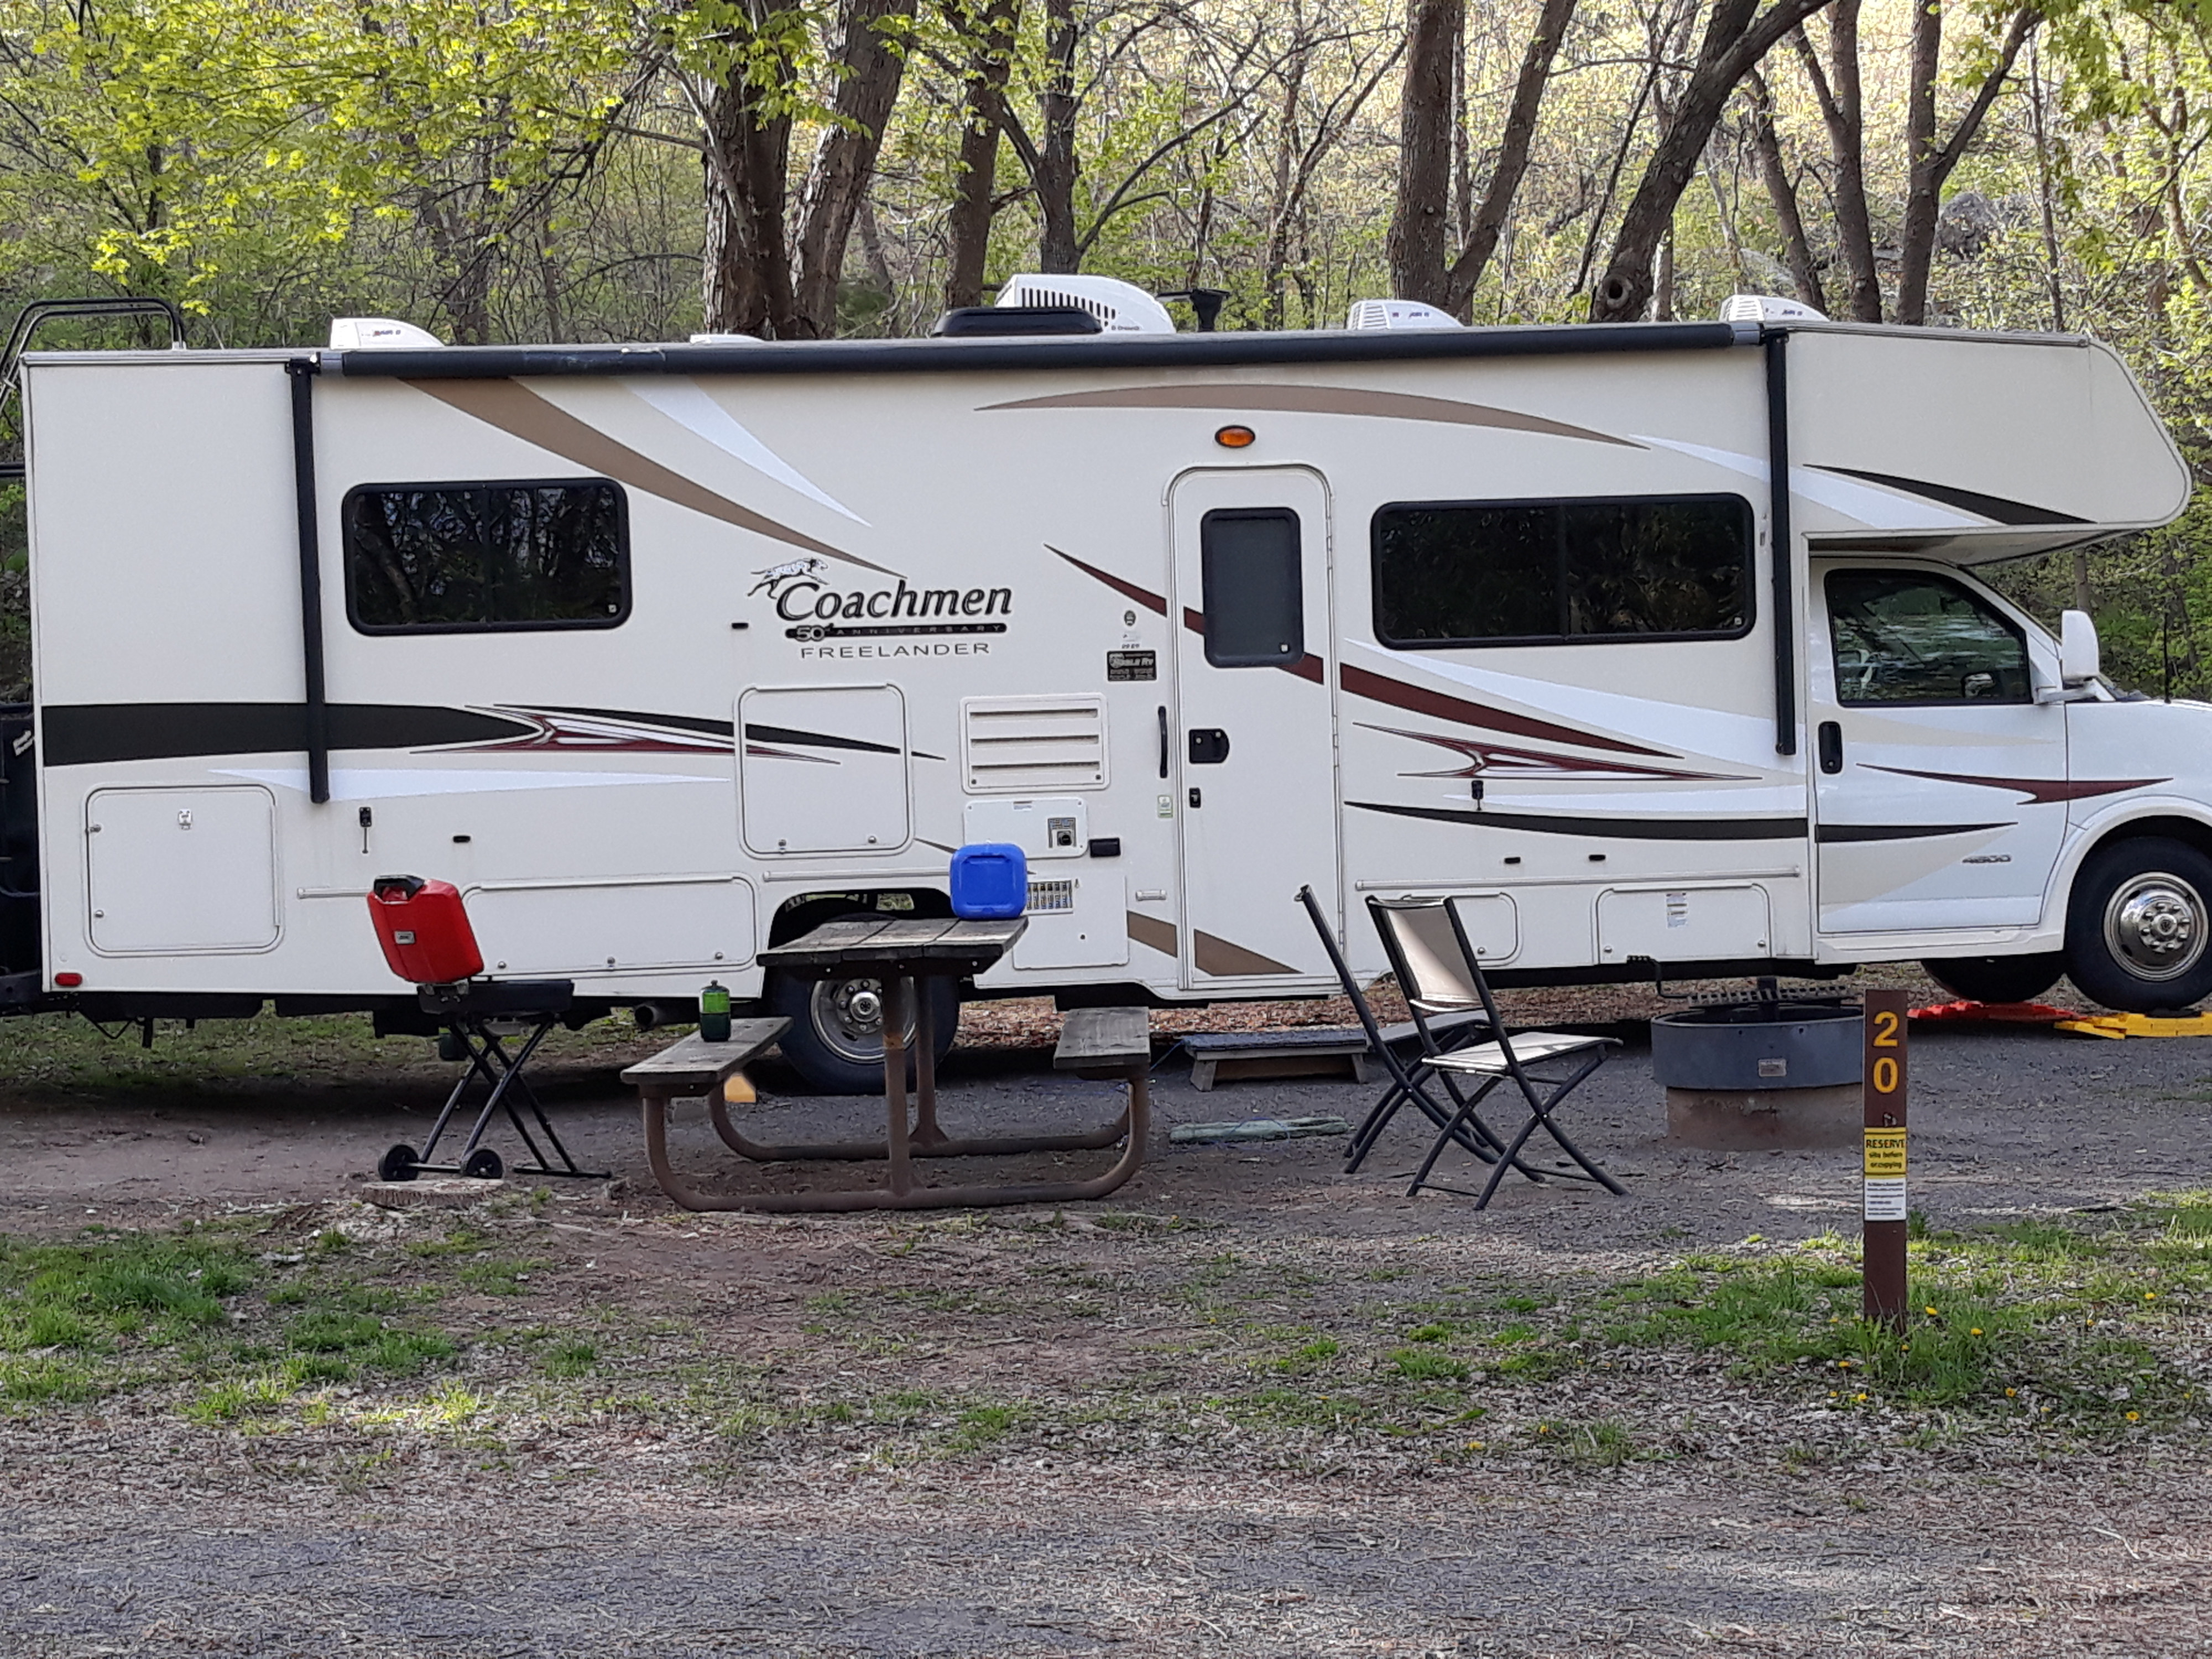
pixel 1364 683
pixel 1316 400
pixel 1151 931
pixel 1154 602
pixel 514 408
pixel 1497 760
pixel 1223 960
pixel 2038 791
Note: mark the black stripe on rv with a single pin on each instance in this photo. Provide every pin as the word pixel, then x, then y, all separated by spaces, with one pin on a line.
pixel 89 734
pixel 667 722
pixel 813 739
pixel 1843 834
pixel 1623 828
pixel 2002 508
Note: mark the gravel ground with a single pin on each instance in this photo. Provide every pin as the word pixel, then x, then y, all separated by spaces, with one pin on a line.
pixel 1021 1433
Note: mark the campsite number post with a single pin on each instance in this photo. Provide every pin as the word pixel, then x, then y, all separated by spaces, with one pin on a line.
pixel 1882 1247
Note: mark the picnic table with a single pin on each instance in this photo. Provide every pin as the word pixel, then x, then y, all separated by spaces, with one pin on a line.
pixel 900 953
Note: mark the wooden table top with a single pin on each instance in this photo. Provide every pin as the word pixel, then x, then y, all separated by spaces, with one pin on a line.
pixel 923 944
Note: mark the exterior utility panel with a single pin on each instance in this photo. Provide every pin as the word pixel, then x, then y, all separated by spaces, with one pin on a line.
pixel 646 648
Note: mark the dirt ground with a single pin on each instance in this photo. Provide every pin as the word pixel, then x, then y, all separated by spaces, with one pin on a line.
pixel 1250 1404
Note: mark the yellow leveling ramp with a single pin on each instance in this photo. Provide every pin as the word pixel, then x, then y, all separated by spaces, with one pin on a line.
pixel 2127 1025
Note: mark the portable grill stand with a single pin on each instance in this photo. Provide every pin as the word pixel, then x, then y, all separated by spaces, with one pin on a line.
pixel 468 1010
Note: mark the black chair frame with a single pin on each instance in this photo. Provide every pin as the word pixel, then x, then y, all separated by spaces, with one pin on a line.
pixel 1407 1085
pixel 1541 1103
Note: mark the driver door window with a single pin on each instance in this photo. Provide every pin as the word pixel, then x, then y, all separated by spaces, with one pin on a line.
pixel 1906 637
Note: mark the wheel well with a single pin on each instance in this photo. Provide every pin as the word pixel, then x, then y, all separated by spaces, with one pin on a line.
pixel 2188 831
pixel 797 915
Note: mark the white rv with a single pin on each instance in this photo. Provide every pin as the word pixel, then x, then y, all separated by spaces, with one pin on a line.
pixel 663 652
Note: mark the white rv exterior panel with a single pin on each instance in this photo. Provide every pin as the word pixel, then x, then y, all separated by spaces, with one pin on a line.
pixel 1683 923
pixel 824 771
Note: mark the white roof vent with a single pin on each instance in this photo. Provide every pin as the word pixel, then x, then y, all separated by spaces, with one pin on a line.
pixel 364 333
pixel 1398 314
pixel 1120 307
pixel 1767 308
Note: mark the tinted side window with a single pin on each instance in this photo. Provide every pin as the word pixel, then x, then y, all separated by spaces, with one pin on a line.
pixel 455 558
pixel 1487 572
pixel 1255 591
pixel 1903 637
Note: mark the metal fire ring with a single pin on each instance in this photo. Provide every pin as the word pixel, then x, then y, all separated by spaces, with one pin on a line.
pixel 2155 924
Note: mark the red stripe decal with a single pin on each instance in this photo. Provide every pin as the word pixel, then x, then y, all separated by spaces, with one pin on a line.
pixel 1361 682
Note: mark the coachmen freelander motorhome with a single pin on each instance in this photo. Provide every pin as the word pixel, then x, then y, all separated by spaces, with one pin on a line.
pixel 666 652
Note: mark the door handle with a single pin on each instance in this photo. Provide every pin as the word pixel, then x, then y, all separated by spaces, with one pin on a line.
pixel 1209 745
pixel 1832 746
pixel 1194 797
pixel 1163 740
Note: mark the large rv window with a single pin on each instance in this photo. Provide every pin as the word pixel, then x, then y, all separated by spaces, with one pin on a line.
pixel 460 558
pixel 1255 593
pixel 1901 636
pixel 1544 572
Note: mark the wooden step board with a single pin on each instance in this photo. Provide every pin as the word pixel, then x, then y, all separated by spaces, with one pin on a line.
pixel 1221 1056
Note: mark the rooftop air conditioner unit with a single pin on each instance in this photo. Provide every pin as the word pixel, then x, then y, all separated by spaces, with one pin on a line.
pixel 1767 308
pixel 367 333
pixel 1398 314
pixel 1120 307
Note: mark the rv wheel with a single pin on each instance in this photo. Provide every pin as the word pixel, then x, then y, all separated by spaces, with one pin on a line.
pixel 836 1037
pixel 2139 924
pixel 1998 979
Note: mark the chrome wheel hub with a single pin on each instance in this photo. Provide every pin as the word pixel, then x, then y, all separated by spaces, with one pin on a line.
pixel 2155 926
pixel 849 1015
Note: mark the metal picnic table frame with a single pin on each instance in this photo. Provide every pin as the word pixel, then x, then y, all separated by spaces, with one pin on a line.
pixel 900 953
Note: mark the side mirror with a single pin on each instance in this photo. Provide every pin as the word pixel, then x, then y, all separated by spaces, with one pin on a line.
pixel 2078 657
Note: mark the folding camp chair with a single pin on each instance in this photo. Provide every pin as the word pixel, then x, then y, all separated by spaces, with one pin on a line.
pixel 1408 1084
pixel 1439 970
pixel 426 939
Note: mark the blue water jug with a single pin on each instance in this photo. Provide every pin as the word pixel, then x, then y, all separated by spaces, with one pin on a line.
pixel 990 881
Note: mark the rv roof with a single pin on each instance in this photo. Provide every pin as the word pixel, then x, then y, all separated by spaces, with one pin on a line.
pixel 1241 348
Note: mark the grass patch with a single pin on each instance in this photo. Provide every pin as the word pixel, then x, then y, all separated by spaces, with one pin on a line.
pixel 570 1359
pixel 1426 1365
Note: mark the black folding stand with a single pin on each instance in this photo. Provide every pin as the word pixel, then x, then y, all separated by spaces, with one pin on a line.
pixel 468 1011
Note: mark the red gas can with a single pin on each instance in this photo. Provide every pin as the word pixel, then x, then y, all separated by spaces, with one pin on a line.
pixel 424 930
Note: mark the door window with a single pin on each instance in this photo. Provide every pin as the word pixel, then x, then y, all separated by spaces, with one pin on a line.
pixel 1905 637
pixel 1253 589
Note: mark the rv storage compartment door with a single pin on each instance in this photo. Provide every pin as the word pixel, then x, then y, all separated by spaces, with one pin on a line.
pixel 614 926
pixel 1682 924
pixel 824 769
pixel 181 872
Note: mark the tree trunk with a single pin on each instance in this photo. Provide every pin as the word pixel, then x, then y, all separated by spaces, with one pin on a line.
pixel 1513 147
pixel 1734 42
pixel 868 70
pixel 1843 112
pixel 1931 164
pixel 968 225
pixel 1774 173
pixel 1283 214
pixel 747 281
pixel 1057 165
pixel 1417 221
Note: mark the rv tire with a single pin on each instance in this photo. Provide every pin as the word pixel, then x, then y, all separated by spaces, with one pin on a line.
pixel 831 1044
pixel 2139 927
pixel 1998 979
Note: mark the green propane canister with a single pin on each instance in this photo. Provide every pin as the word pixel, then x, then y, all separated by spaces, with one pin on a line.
pixel 714 1013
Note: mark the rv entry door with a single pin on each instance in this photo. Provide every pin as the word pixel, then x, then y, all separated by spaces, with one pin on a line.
pixel 1940 782
pixel 1254 747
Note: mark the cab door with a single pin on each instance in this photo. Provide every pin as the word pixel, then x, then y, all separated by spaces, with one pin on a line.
pixel 1254 747
pixel 1940 782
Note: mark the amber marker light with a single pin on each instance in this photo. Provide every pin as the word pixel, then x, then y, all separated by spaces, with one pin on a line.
pixel 1235 437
